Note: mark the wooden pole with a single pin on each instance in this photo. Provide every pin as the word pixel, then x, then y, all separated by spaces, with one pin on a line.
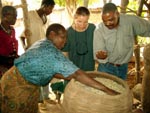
pixel 0 8
pixel 26 19
pixel 124 4
pixel 86 2
pixel 137 50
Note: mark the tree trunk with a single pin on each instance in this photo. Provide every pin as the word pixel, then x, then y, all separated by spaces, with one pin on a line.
pixel 25 16
pixel 104 1
pixel 86 3
pixel 70 7
pixel 124 4
pixel 137 50
pixel 0 8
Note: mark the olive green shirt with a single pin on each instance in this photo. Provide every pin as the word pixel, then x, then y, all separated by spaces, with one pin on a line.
pixel 80 47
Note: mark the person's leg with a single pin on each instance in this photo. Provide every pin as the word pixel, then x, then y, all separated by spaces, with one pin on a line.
pixel 58 88
pixel 44 93
pixel 18 96
pixel 41 96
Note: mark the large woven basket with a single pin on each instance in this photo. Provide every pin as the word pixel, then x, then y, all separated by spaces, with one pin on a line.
pixel 78 99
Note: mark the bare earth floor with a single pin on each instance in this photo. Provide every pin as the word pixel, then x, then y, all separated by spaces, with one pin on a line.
pixel 50 108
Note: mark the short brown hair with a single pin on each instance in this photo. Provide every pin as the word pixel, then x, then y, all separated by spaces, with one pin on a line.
pixel 109 7
pixel 82 11
pixel 47 3
pixel 7 10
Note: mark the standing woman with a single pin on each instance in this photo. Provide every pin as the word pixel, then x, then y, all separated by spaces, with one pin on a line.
pixel 8 42
pixel 79 46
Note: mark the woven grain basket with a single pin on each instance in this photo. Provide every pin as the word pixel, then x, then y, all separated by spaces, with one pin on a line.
pixel 80 100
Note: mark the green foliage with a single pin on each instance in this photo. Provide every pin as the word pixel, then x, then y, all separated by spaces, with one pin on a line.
pixel 143 40
pixel 133 4
pixel 91 2
pixel 60 2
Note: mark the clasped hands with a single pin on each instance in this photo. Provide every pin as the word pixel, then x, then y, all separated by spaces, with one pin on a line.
pixel 101 54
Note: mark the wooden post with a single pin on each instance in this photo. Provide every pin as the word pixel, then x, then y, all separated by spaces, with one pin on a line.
pixel 145 81
pixel 86 2
pixel 71 7
pixel 0 8
pixel 124 4
pixel 137 50
pixel 26 19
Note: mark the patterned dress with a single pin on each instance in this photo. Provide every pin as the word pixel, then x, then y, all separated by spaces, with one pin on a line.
pixel 35 68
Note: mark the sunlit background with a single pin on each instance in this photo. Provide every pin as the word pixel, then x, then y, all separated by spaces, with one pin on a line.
pixel 59 15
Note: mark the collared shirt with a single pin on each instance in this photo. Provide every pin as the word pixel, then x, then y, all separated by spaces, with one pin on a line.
pixel 119 42
pixel 8 43
pixel 37 28
pixel 40 62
